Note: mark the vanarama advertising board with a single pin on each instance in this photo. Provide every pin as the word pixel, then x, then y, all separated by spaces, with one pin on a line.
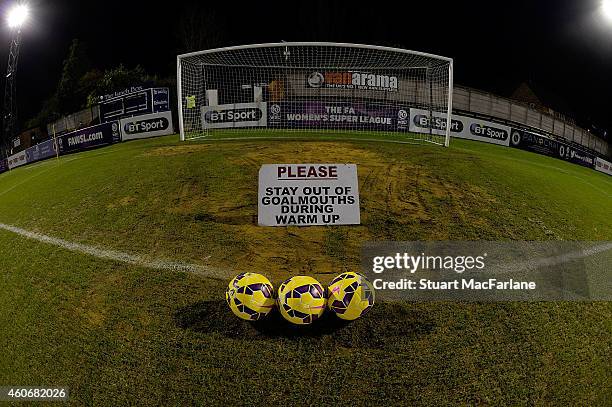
pixel 570 153
pixel 353 80
pixel 308 195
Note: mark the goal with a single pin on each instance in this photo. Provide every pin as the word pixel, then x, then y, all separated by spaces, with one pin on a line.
pixel 272 89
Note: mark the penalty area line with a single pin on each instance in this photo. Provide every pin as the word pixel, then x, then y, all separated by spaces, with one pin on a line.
pixel 117 256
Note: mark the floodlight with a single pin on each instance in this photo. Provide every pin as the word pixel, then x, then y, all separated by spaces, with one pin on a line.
pixel 606 8
pixel 17 16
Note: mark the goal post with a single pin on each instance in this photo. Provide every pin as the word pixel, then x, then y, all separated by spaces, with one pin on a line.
pixel 315 86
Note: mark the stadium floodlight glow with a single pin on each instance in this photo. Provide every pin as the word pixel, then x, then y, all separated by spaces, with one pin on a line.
pixel 17 16
pixel 606 8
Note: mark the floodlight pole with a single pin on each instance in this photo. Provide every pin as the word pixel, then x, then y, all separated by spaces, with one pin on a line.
pixel 9 124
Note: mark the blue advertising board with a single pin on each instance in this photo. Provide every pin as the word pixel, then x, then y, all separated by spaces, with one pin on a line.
pixel 3 166
pixel 553 148
pixel 534 142
pixel 135 102
pixel 40 151
pixel 161 99
pixel 95 136
pixel 573 155
pixel 333 115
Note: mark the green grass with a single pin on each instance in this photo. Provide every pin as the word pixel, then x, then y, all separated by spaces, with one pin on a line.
pixel 118 334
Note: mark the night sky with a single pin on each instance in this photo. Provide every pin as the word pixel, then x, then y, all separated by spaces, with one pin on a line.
pixel 562 47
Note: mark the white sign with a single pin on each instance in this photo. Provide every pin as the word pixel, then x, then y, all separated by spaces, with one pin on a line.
pixel 308 195
pixel 603 166
pixel 235 115
pixel 461 127
pixel 148 125
pixel 17 160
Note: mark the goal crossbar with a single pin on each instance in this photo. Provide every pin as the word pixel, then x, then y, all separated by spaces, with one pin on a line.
pixel 315 44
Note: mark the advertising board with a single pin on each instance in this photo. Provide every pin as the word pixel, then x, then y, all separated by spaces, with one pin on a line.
pixel 334 115
pixel 43 150
pixel 235 115
pixel 604 166
pixel 17 160
pixel 145 126
pixel 90 137
pixel 465 127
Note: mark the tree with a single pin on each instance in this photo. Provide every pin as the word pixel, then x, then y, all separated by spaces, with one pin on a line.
pixel 48 113
pixel 75 66
pixel 88 84
pixel 80 86
pixel 199 28
pixel 118 78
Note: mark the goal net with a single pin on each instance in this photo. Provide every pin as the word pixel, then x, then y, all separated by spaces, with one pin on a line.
pixel 323 87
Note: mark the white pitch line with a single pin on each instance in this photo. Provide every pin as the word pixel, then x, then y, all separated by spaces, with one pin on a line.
pixel 113 255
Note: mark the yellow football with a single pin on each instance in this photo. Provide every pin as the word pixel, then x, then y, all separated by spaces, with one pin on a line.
pixel 301 300
pixel 250 296
pixel 350 296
